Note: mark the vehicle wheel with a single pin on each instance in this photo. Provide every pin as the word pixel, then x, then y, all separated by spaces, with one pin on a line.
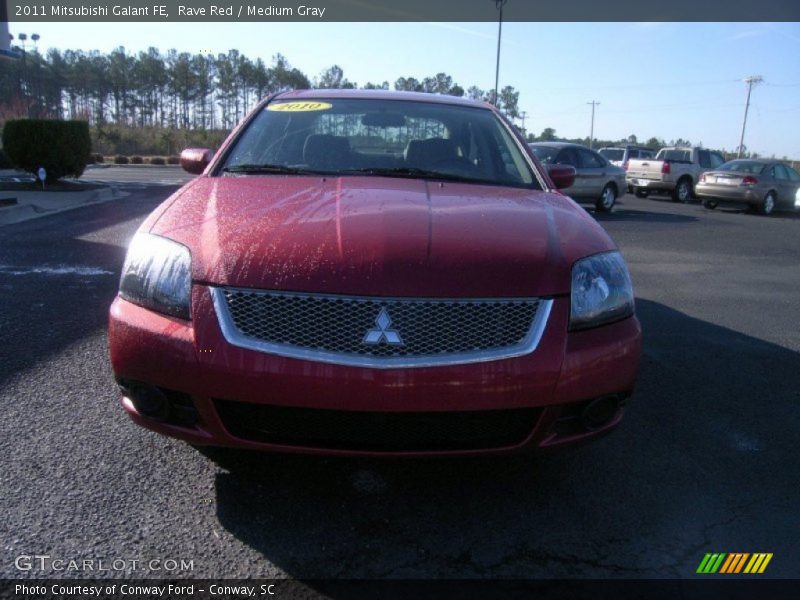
pixel 683 191
pixel 710 204
pixel 768 206
pixel 606 201
pixel 640 193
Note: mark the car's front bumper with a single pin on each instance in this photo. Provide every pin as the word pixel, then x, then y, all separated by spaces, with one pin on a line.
pixel 195 366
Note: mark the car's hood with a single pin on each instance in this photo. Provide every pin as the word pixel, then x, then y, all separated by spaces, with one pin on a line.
pixel 380 236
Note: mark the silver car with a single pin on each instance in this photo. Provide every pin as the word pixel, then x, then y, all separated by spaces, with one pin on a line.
pixel 596 178
pixel 764 185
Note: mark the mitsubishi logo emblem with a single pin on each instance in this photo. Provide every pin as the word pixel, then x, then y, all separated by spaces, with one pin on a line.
pixel 383 333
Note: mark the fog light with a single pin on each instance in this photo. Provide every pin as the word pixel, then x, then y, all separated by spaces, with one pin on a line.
pixel 600 412
pixel 148 400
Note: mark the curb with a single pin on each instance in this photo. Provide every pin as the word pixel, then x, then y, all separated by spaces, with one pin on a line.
pixel 26 212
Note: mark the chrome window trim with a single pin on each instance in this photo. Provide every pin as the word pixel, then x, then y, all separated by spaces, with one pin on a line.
pixel 234 337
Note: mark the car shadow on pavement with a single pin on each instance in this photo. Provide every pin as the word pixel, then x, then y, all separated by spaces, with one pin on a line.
pixel 705 460
pixel 56 283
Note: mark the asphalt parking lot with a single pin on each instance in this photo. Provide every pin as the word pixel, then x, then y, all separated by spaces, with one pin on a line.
pixel 705 460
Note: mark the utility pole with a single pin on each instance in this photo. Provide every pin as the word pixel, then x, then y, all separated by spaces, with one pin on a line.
pixel 499 6
pixel 522 115
pixel 591 131
pixel 750 81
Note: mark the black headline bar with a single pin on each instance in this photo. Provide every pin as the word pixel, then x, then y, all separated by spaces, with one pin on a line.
pixel 174 11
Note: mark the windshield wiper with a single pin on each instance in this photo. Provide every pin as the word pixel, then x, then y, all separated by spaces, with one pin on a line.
pixel 412 172
pixel 265 168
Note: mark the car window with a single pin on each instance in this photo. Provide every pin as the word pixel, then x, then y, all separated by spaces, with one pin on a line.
pixel 382 137
pixel 675 155
pixel 704 158
pixel 613 153
pixel 590 160
pixel 716 159
pixel 567 156
pixel 647 154
pixel 793 175
pixel 546 154
pixel 742 166
pixel 780 172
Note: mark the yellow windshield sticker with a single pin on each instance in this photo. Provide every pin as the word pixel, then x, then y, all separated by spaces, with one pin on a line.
pixel 299 106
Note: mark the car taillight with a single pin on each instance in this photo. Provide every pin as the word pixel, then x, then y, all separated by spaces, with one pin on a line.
pixel 703 178
pixel 665 168
pixel 749 180
pixel 625 165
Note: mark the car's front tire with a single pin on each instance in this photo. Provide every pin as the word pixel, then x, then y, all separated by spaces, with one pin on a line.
pixel 607 199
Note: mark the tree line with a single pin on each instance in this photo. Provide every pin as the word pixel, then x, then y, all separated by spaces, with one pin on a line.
pixel 177 89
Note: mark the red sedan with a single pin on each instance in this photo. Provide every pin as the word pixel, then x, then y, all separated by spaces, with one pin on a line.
pixel 383 273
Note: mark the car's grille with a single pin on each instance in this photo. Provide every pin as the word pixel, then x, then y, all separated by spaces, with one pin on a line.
pixel 377 431
pixel 380 331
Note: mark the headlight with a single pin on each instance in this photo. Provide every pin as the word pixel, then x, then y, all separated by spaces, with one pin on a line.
pixel 601 291
pixel 157 275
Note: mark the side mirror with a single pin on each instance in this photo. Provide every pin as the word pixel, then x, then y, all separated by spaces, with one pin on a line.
pixel 562 176
pixel 195 160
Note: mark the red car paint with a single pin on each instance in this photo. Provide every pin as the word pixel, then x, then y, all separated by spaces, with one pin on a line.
pixel 373 236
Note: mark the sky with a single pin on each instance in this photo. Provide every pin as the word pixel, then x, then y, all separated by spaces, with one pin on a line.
pixel 668 80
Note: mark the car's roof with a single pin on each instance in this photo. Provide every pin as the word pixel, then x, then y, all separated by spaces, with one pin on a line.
pixel 383 95
pixel 763 161
pixel 626 147
pixel 559 145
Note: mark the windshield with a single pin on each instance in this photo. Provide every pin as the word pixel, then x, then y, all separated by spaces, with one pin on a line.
pixel 612 153
pixel 395 138
pixel 545 154
pixel 742 166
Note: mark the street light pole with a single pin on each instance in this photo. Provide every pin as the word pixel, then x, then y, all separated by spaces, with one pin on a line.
pixel 499 6
pixel 591 130
pixel 750 81
pixel 523 114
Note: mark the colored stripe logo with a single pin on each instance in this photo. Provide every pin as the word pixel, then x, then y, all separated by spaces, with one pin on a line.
pixel 734 563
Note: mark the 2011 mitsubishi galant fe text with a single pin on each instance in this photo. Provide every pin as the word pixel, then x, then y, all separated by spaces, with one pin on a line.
pixel 362 272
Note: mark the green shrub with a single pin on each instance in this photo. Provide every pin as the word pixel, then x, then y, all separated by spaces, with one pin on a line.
pixel 174 160
pixel 137 160
pixel 99 158
pixel 157 160
pixel 5 163
pixel 119 159
pixel 61 147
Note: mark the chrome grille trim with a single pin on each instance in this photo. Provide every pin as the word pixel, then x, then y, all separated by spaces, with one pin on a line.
pixel 236 337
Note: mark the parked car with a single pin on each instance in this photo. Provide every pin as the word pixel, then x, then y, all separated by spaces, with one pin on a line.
pixel 374 272
pixel 674 171
pixel 620 155
pixel 764 185
pixel 597 180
